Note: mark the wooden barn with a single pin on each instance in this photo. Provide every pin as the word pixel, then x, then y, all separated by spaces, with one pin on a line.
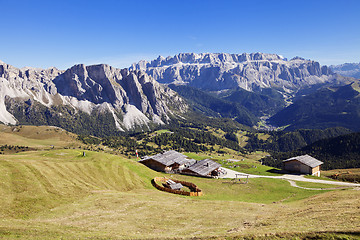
pixel 170 161
pixel 303 164
pixel 204 168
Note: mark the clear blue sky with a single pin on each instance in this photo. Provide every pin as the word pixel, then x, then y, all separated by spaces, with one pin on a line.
pixel 65 32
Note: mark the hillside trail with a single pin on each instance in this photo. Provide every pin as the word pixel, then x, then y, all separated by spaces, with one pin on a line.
pixel 293 184
pixel 289 177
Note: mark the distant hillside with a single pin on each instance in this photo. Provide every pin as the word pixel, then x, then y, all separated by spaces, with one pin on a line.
pixel 283 141
pixel 329 107
pixel 213 106
pixel 336 153
pixel 37 137
pixel 267 101
pixel 347 69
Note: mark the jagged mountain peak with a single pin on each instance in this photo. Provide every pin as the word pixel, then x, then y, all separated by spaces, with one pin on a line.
pixel 26 71
pixel 133 98
pixel 250 71
pixel 347 69
pixel 206 58
pixel 299 58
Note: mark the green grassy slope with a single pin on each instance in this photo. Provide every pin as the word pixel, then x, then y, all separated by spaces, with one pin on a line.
pixel 38 137
pixel 57 194
pixel 32 182
pixel 257 190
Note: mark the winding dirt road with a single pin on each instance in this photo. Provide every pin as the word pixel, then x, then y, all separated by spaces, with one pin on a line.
pixel 291 178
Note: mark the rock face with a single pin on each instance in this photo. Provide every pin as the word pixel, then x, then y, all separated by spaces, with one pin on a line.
pixel 347 69
pixel 132 97
pixel 219 71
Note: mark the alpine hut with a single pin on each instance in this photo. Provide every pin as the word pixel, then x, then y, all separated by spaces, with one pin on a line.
pixel 170 161
pixel 204 168
pixel 303 164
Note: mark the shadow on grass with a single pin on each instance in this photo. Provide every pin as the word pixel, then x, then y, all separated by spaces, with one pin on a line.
pixel 278 171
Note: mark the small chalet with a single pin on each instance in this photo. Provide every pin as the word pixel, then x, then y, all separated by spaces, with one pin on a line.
pixel 169 161
pixel 204 168
pixel 303 164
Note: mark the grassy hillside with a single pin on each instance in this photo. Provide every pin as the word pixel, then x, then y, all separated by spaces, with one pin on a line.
pixel 33 182
pixel 349 175
pixel 38 137
pixel 61 194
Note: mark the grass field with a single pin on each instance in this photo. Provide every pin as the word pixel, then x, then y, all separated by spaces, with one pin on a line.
pixel 350 175
pixel 61 194
pixel 257 190
pixel 39 137
pixel 317 185
pixel 36 181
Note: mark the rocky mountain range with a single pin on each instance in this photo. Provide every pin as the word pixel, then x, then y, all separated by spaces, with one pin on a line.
pixel 347 69
pixel 252 72
pixel 130 99
pixel 102 100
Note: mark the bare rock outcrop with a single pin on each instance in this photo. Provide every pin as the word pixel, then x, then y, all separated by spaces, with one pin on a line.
pixel 132 97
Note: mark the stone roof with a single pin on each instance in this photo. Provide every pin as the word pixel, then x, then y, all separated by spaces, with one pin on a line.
pixel 190 162
pixel 307 160
pixel 204 167
pixel 168 158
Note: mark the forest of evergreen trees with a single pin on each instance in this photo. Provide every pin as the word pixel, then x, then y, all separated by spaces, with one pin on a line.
pixel 177 138
pixel 284 141
pixel 336 153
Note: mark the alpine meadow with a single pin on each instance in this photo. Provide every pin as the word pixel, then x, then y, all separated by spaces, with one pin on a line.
pixel 180 120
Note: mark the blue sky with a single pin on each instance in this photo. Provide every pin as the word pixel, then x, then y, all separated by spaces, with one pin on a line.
pixel 63 33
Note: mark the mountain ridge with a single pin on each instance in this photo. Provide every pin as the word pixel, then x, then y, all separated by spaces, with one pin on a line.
pixel 328 107
pixel 132 97
pixel 253 85
pixel 347 69
pixel 254 71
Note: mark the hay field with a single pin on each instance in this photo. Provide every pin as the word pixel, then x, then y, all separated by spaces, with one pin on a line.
pixel 39 137
pixel 59 194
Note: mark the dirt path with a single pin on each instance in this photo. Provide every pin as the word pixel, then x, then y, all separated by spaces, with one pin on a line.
pixel 293 184
pixel 289 177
